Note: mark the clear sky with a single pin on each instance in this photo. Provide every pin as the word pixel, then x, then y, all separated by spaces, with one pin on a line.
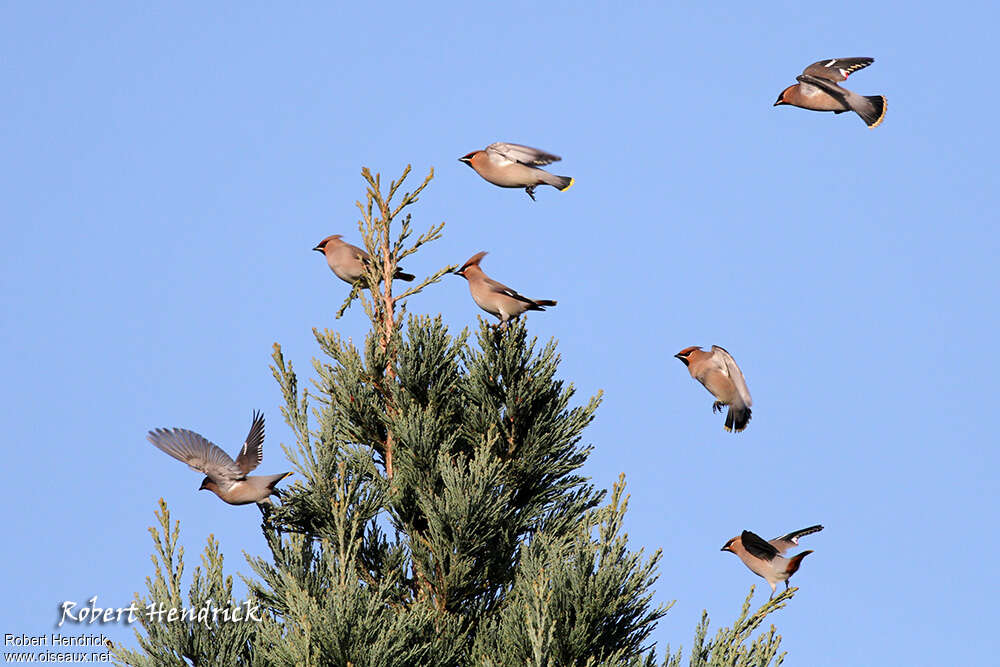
pixel 167 169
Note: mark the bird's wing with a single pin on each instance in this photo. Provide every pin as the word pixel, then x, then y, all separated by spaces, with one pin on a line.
pixel 359 253
pixel 522 154
pixel 786 542
pixel 196 451
pixel 757 546
pixel 252 452
pixel 724 359
pixel 500 288
pixel 837 69
pixel 828 87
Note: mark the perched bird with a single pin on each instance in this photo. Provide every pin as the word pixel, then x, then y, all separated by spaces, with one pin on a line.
pixel 717 370
pixel 818 90
pixel 348 261
pixel 496 298
pixel 766 559
pixel 224 477
pixel 514 166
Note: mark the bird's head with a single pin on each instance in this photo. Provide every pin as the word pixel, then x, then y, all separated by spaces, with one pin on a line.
pixel 332 239
pixel 781 97
pixel 685 354
pixel 472 265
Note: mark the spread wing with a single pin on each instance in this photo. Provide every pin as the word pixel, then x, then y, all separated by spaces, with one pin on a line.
pixel 786 542
pixel 757 546
pixel 500 288
pixel 253 447
pixel 523 154
pixel 726 361
pixel 837 69
pixel 197 452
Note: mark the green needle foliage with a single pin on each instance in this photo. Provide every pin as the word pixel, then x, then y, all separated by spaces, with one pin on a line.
pixel 439 516
pixel 210 626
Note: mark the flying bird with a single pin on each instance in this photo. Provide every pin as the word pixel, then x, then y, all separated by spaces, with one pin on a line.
pixel 818 90
pixel 718 372
pixel 348 261
pixel 224 477
pixel 496 298
pixel 766 559
pixel 516 166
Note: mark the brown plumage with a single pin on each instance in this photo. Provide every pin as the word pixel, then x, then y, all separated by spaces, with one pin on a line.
pixel 224 477
pixel 348 261
pixel 515 166
pixel 766 559
pixel 817 90
pixel 718 372
pixel 494 297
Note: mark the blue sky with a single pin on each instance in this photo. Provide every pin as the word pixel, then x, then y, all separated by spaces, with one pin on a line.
pixel 167 169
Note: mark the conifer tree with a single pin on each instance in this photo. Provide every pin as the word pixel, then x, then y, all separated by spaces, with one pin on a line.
pixel 438 517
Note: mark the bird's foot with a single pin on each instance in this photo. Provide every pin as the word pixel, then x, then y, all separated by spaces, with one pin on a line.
pixel 718 406
pixel 531 191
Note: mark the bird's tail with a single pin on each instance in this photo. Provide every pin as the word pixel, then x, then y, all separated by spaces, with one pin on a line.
pixel 561 183
pixel 795 561
pixel 400 275
pixel 539 304
pixel 872 110
pixel 272 480
pixel 738 418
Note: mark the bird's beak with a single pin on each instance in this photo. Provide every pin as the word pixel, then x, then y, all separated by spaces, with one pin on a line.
pixel 725 548
pixel 778 103
pixel 318 248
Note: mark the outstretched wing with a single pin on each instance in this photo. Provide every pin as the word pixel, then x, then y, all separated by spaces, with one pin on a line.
pixel 757 546
pixel 726 361
pixel 523 154
pixel 837 69
pixel 196 451
pixel 786 542
pixel 253 447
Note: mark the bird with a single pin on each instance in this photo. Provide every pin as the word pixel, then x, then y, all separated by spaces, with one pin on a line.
pixel 514 166
pixel 766 559
pixel 224 477
pixel 496 298
pixel 717 370
pixel 818 90
pixel 347 261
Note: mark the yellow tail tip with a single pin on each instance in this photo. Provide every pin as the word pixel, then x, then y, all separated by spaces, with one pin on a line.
pixel 885 108
pixel 571 182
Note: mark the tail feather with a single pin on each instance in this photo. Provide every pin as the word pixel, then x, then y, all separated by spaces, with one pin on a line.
pixel 737 418
pixel 561 183
pixel 872 112
pixel 276 478
pixel 795 561
pixel 540 304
